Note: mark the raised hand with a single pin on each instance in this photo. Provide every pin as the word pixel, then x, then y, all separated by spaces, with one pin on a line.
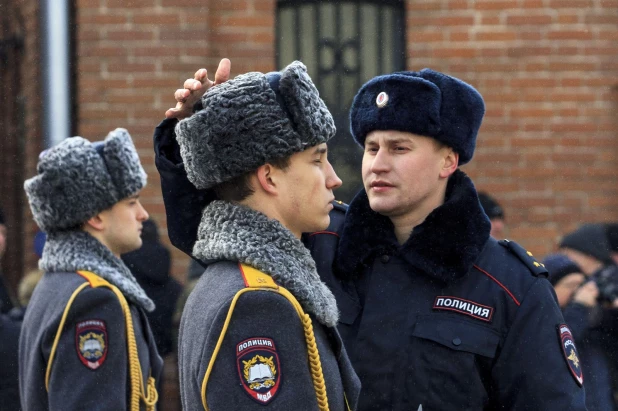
pixel 194 89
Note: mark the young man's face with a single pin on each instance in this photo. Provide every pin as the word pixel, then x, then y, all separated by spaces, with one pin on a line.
pixel 566 287
pixel 123 225
pixel 401 171
pixel 307 191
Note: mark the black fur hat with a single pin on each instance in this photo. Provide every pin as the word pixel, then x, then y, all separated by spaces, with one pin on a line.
pixel 251 120
pixel 77 179
pixel 427 103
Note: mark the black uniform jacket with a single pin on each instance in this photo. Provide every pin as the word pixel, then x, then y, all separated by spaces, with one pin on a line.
pixel 451 320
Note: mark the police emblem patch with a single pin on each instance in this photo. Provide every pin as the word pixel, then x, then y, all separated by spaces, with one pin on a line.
pixel 570 353
pixel 259 369
pixel 91 343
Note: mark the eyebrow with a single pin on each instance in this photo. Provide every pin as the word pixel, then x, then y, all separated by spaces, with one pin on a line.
pixel 320 150
pixel 134 197
pixel 391 140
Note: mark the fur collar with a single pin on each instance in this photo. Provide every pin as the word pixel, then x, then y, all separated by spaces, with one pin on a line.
pixel 444 246
pixel 71 251
pixel 238 233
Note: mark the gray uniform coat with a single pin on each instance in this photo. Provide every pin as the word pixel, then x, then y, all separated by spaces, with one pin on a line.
pixel 264 325
pixel 87 373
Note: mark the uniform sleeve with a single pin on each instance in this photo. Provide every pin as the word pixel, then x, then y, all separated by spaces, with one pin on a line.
pixel 183 202
pixel 90 367
pixel 532 371
pixel 263 361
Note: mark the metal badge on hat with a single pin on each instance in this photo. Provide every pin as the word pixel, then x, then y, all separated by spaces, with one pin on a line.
pixel 382 99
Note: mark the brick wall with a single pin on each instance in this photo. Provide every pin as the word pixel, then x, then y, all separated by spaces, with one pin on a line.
pixel 133 55
pixel 549 75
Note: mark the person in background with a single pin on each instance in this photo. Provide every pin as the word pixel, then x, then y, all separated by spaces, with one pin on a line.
pixel 587 246
pixel 9 366
pixel 496 215
pixel 611 231
pixel 567 278
pixel 578 297
pixel 5 301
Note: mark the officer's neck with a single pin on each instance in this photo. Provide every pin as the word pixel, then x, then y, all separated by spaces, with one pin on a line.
pixel 404 223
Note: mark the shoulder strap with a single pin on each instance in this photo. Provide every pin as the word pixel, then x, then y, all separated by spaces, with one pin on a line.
pixel 135 369
pixel 526 257
pixel 255 280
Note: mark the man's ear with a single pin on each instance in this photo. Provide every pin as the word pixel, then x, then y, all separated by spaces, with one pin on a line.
pixel 96 223
pixel 451 161
pixel 266 176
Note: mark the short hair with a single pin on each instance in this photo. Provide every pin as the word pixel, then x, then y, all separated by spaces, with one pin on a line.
pixel 239 188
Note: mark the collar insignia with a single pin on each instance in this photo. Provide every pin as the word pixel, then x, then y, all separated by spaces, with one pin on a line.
pixel 91 343
pixel 259 369
pixel 570 353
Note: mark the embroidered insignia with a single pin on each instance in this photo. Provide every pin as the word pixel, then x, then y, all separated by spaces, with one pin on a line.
pixel 259 369
pixel 570 353
pixel 91 343
pixel 466 307
pixel 382 99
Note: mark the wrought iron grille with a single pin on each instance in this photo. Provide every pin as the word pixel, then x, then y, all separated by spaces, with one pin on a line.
pixel 343 44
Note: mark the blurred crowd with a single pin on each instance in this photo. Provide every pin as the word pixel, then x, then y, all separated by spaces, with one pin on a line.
pixel 583 271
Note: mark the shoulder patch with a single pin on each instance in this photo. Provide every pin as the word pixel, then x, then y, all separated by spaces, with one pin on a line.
pixel 570 353
pixel 340 205
pixel 526 257
pixel 91 343
pixel 259 369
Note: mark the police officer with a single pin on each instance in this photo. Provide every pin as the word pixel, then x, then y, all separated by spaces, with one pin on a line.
pixel 85 341
pixel 258 331
pixel 436 315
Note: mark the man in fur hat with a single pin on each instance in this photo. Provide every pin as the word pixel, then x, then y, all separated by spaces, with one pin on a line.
pixel 435 313
pixel 85 341
pixel 259 327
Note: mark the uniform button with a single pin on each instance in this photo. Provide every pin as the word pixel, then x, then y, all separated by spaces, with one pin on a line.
pixel 456 341
pixel 385 258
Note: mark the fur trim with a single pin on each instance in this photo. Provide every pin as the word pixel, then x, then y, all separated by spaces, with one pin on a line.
pixel 427 103
pixel 247 121
pixel 238 233
pixel 444 246
pixel 77 179
pixel 71 251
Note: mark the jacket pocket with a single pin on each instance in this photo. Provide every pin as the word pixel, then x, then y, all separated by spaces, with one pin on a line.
pixel 447 364
pixel 458 335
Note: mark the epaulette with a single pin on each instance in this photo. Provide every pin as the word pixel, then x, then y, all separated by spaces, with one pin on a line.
pixel 340 205
pixel 526 257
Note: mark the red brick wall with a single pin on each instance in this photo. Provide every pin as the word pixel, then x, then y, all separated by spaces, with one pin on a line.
pixel 133 55
pixel 549 75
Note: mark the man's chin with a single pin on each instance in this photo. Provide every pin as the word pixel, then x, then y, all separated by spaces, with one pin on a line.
pixel 380 206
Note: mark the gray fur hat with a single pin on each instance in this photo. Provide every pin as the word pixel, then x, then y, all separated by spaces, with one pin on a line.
pixel 251 120
pixel 77 179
